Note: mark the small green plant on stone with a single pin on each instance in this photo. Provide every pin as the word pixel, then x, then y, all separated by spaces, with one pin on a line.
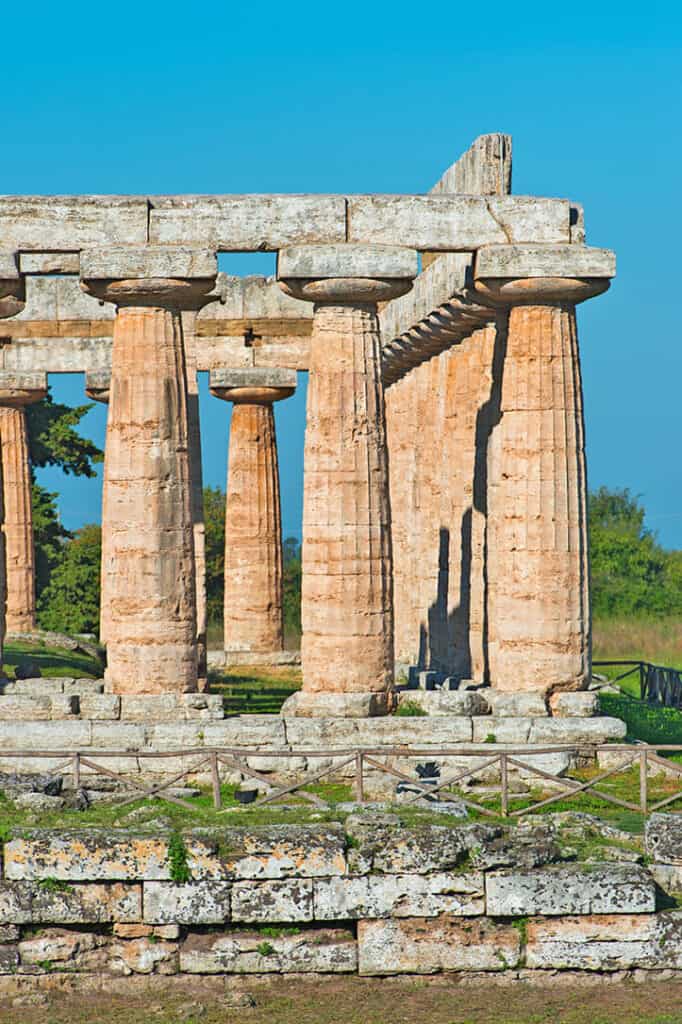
pixel 177 858
pixel 490 738
pixel 45 965
pixel 51 884
pixel 410 709
pixel 521 925
pixel 265 949
pixel 273 932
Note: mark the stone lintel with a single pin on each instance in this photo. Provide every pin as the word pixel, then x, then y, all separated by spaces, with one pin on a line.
pixel 9 270
pixel 148 262
pixel 49 262
pixel 485 168
pixel 312 262
pixel 253 377
pixel 523 261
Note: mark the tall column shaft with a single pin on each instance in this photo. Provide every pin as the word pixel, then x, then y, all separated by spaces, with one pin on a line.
pixel 253 533
pixel 197 490
pixel 18 524
pixel 149 551
pixel 537 533
pixel 347 611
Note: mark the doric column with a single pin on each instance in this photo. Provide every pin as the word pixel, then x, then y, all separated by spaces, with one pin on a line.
pixel 347 643
pixel 17 390
pixel 97 387
pixel 149 567
pixel 253 622
pixel 12 299
pixel 538 600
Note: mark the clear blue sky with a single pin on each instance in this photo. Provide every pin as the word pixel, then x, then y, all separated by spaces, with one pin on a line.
pixel 152 97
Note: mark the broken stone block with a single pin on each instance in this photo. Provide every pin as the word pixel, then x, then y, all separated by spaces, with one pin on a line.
pixel 57 945
pixel 273 901
pixel 428 946
pixel 194 903
pixel 663 838
pixel 322 951
pixel 574 889
pixel 142 956
pixel 345 899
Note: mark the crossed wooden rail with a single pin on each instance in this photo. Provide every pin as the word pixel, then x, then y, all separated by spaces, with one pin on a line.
pixel 644 755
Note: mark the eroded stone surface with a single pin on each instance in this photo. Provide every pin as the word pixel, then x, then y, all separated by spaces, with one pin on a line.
pixel 426 946
pixel 579 889
pixel 606 943
pixel 322 951
pixel 194 903
pixel 264 902
pixel 340 899
pixel 663 838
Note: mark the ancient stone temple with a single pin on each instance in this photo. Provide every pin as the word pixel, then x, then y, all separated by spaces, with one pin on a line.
pixel 444 523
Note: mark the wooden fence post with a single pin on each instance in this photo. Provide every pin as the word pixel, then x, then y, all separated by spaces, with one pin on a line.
pixel 76 771
pixel 643 781
pixel 504 783
pixel 215 778
pixel 359 781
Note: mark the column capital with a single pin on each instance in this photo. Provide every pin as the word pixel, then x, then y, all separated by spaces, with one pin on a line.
pixel 19 389
pixel 12 289
pixel 346 272
pixel 161 276
pixel 97 385
pixel 253 385
pixel 538 275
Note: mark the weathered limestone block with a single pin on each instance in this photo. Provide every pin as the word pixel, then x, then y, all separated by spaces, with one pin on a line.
pixel 446 702
pixel 667 876
pixel 142 956
pixel 323 951
pixel 9 959
pixel 52 735
pixel 374 896
pixel 606 943
pixel 9 933
pixel 529 261
pixel 427 947
pixel 25 709
pixel 100 706
pixel 579 889
pixel 171 707
pixel 284 851
pixel 663 838
pixel 583 704
pixel 22 902
pixel 441 730
pixel 193 903
pixel 118 735
pixel 577 730
pixel 246 730
pixel 264 902
pixel 515 705
pixel 86 856
pixel 417 851
pixel 335 705
pixel 58 945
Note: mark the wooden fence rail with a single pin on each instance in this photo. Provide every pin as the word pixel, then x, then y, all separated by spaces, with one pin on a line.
pixel 657 683
pixel 211 760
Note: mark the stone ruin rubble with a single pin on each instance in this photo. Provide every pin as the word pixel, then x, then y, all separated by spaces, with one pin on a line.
pixel 444 522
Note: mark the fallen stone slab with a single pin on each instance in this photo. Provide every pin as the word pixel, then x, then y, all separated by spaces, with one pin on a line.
pixel 320 951
pixel 617 942
pixel 428 946
pixel 574 889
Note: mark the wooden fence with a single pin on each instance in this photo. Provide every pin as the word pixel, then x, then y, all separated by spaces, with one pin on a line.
pixel 211 761
pixel 657 684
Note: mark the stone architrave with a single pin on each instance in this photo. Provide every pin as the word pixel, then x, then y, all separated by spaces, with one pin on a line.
pixel 16 392
pixel 150 573
pixel 538 599
pixel 12 300
pixel 253 615
pixel 347 604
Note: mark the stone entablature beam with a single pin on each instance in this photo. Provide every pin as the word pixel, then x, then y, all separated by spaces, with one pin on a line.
pixel 347 603
pixel 147 528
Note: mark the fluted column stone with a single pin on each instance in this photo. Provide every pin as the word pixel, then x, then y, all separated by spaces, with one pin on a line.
pixel 12 301
pixel 538 599
pixel 16 392
pixel 150 589
pixel 347 606
pixel 97 386
pixel 253 609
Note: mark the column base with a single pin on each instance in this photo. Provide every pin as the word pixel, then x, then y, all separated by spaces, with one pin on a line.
pixel 337 705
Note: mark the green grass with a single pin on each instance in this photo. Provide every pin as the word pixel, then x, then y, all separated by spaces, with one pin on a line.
pixel 255 690
pixel 53 661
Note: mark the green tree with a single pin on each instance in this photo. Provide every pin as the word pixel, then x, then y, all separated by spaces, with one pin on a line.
pixel 291 556
pixel 214 523
pixel 70 601
pixel 631 574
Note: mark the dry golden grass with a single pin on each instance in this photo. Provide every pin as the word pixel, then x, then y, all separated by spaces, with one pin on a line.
pixel 655 640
